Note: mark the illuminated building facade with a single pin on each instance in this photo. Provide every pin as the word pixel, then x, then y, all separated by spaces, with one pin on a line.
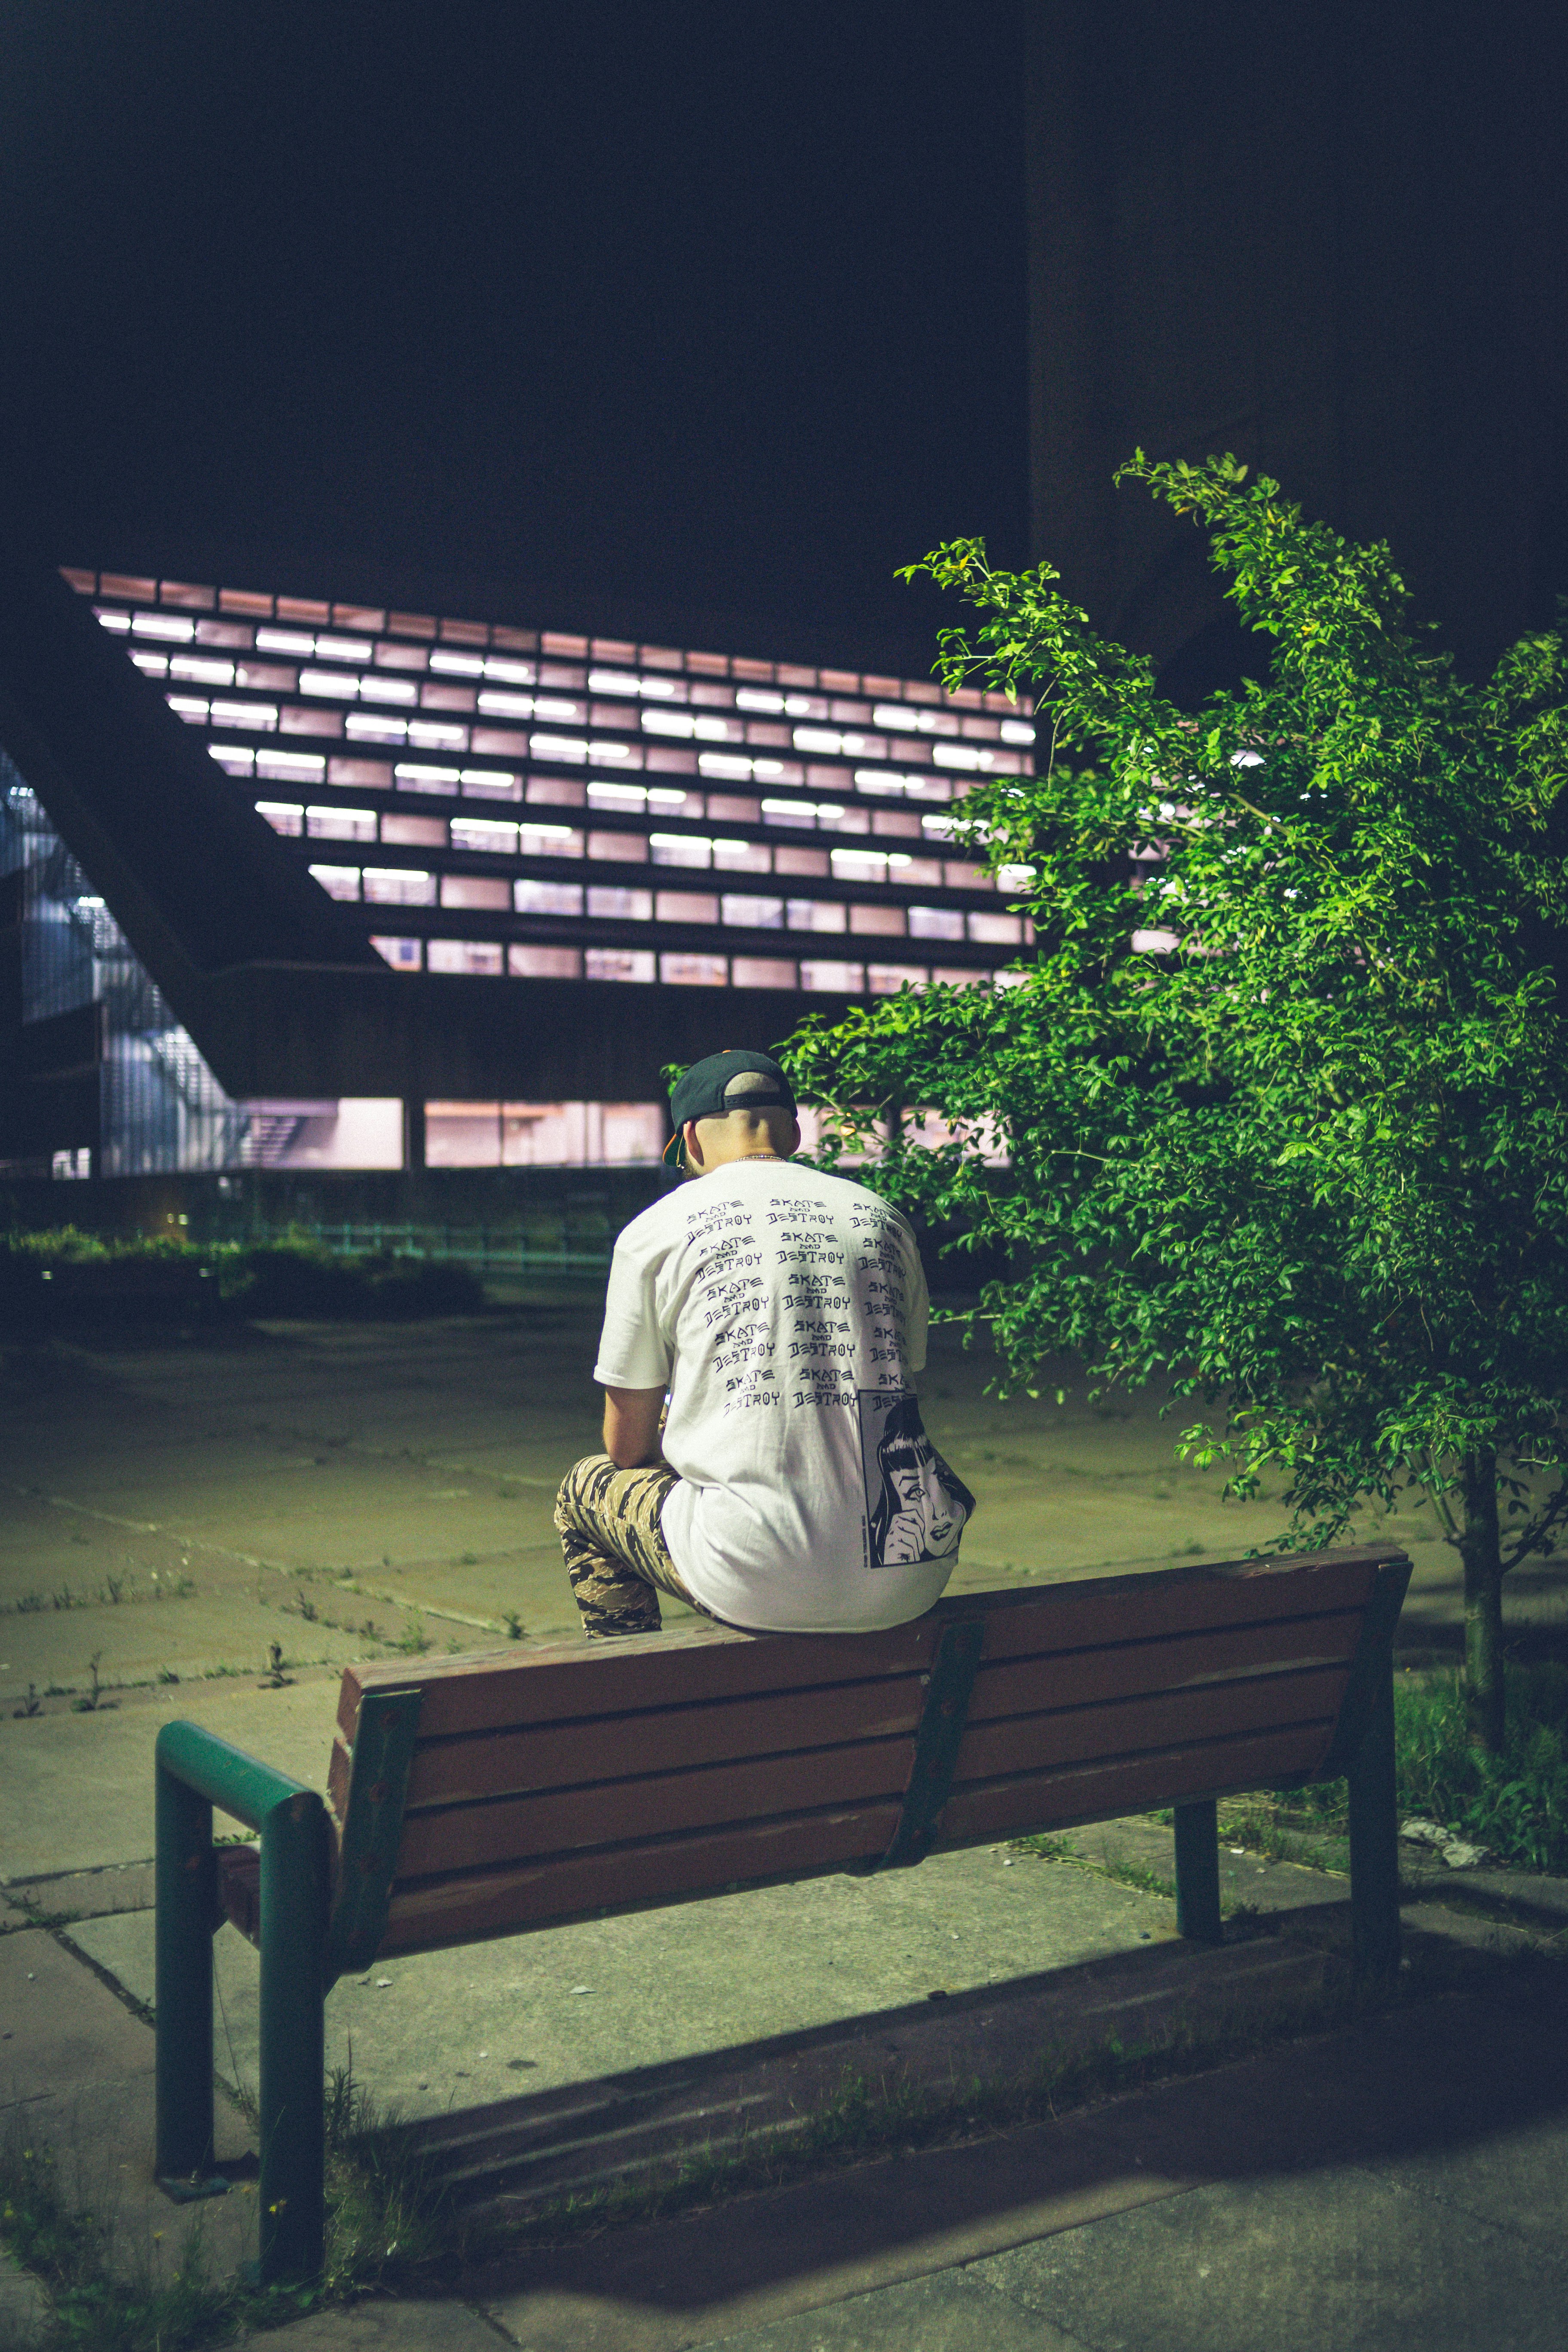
pixel 522 869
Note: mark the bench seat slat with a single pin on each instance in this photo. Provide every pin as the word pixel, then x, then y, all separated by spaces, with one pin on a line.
pixel 1161 1719
pixel 1010 1684
pixel 512 1829
pixel 1104 1792
pixel 560 1755
pixel 437 1912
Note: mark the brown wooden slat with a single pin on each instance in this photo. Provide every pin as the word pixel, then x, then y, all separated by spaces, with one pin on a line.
pixel 524 1829
pixel 1020 1685
pixel 564 1755
pixel 434 1913
pixel 1092 1615
pixel 1043 1800
pixel 1163 1719
pixel 642 1670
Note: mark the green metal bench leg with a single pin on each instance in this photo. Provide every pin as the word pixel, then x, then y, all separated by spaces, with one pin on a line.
pixel 294 1908
pixel 183 1968
pixel 1374 1844
pixel 1197 1874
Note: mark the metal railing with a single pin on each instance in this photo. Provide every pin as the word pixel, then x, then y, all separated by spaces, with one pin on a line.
pixel 514 1251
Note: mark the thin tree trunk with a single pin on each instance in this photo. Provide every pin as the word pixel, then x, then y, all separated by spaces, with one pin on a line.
pixel 1480 1548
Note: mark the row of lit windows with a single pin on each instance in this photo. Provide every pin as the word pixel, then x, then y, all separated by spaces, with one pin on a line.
pixel 489 959
pixel 589 751
pixel 494 837
pixel 398 885
pixel 311 628
pixel 708 724
pixel 434 779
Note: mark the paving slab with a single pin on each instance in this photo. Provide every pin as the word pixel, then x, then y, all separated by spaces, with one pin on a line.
pixel 76 2069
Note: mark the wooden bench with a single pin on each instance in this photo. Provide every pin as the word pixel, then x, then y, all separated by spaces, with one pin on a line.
pixel 479 1796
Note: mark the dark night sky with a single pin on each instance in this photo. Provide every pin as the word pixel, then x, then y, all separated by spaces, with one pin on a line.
pixel 694 307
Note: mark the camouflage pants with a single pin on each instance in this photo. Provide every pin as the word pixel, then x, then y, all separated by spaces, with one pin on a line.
pixel 615 1548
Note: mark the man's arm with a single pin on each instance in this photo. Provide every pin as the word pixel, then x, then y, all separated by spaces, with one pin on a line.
pixel 631 1426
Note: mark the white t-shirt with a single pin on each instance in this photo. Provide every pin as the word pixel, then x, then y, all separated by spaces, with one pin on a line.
pixel 786 1311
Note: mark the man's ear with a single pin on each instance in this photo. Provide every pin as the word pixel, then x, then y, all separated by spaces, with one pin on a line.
pixel 693 1149
pixel 795 1138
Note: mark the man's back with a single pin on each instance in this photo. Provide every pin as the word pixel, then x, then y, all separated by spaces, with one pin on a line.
pixel 787 1311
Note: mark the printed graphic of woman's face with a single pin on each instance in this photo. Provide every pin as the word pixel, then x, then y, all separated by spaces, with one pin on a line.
pixel 906 1470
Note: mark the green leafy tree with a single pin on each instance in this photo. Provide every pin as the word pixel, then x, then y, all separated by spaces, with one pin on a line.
pixel 1282 1084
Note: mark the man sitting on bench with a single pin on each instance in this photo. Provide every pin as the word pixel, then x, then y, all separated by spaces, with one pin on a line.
pixel 784 1312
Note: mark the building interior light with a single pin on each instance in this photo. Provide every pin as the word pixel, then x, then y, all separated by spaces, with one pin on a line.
pixel 753 698
pixel 1013 730
pixel 119 622
pixel 284 641
pixel 412 772
pixel 163 624
pixel 355 649
pixel 894 715
pixel 620 681
pixel 456 664
pixel 513 673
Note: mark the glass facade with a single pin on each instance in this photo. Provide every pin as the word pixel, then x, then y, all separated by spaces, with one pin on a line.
pixel 508 802
pixel 161 1109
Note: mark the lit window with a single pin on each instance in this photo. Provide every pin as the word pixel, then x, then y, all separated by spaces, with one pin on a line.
pixel 558 747
pixel 827 738
pixel 355 649
pixel 549 841
pixel 370 727
pixel 486 893
pixel 283 817
pixel 337 881
pixel 728 767
pixel 491 784
pixel 462 1134
pixel 839 979
pixel 510 673
pixel 764 971
pixel 619 906
pixel 377 688
pixel 548 897
pixel 399 886
pixel 341 823
pixel 283 641
pixel 262 716
pixel 618 681
pixel 1155 942
pixel 753 698
pixel 486 832
pixel 236 758
pixel 962 755
pixel 193 711
pixel 413 832
pixel 869 865
pixel 200 669
pixel 619 795
pixel 119 622
pixel 507 705
pixel 753 914
pixel 680 849
pixel 686 907
pixel 814 914
pixel 685 723
pixel 1013 730
pixel 694 971
pixel 744 857
pixel 478 959
pixel 525 962
pixel 887 979
pixel 290 767
pixel 1015 878
pixel 617 963
pixel 412 776
pixel 896 715
pixel 328 681
pixel 997 930
pixel 454 664
pixel 796 812
pixel 156 665
pixel 431 735
pixel 940 828
pixel 935 923
pixel 165 625
pixel 403 955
